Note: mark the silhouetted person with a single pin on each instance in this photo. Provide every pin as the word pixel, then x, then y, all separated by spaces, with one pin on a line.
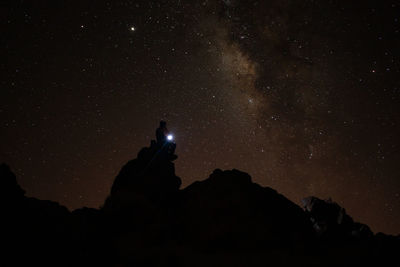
pixel 167 146
pixel 161 133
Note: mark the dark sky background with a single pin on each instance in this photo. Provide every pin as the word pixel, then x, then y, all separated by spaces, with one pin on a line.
pixel 303 95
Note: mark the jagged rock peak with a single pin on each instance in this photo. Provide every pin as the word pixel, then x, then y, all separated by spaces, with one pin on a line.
pixel 150 176
pixel 10 189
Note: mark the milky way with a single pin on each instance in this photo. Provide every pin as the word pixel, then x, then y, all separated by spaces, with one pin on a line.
pixel 302 95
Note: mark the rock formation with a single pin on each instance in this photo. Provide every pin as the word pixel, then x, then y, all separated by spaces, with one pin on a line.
pixel 224 220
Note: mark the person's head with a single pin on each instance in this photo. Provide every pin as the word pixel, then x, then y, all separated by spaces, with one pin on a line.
pixel 163 124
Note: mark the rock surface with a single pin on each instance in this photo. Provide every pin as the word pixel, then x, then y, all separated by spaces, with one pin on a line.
pixel 224 220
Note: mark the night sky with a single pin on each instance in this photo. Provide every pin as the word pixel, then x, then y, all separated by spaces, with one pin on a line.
pixel 302 95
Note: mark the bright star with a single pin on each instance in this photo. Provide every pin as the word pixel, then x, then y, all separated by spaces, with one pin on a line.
pixel 133 28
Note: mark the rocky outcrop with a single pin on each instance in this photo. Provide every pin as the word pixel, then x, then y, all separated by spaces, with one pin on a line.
pixel 224 220
pixel 331 222
pixel 145 183
pixel 228 210
pixel 31 228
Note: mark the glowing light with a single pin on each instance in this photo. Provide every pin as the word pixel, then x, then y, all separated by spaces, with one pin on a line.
pixel 133 28
pixel 170 137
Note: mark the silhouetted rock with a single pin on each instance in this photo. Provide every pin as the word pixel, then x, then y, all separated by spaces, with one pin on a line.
pixel 37 229
pixel 10 189
pixel 144 182
pixel 228 211
pixel 330 221
pixel 224 220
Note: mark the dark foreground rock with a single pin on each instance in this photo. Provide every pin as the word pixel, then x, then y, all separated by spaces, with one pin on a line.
pixel 147 220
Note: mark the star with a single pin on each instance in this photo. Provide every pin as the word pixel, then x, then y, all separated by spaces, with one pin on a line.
pixel 238 78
